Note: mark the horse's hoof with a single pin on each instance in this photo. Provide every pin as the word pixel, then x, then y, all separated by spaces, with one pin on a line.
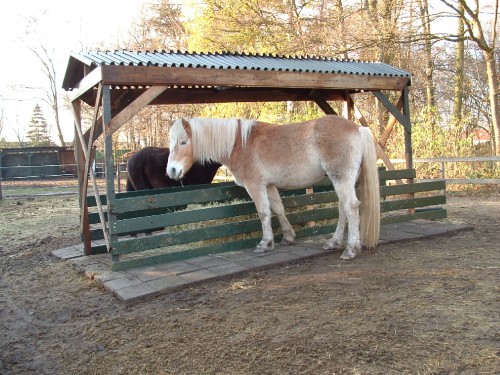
pixel 350 253
pixel 260 250
pixel 264 247
pixel 286 242
pixel 332 245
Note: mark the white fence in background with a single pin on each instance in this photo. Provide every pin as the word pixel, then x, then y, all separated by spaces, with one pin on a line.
pixel 443 161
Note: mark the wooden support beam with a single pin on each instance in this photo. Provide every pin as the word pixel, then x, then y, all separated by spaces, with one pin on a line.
pixel 380 151
pixel 157 75
pixel 111 239
pixel 88 146
pixel 80 167
pixel 83 188
pixel 120 102
pixel 321 102
pixel 87 83
pixel 393 110
pixel 348 106
pixel 390 124
pixel 133 108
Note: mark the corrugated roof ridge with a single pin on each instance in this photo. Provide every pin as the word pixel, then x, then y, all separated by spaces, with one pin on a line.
pixel 241 60
pixel 244 53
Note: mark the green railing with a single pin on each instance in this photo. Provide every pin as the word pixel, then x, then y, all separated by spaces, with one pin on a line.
pixel 162 225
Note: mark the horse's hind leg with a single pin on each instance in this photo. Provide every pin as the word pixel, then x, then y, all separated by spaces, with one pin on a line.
pixel 336 242
pixel 259 196
pixel 349 204
pixel 279 210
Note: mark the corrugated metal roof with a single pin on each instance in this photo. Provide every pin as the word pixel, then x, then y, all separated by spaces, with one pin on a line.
pixel 239 61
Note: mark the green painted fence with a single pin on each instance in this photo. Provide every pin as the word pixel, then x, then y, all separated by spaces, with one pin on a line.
pixel 162 225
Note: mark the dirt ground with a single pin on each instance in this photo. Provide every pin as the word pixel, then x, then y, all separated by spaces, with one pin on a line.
pixel 425 307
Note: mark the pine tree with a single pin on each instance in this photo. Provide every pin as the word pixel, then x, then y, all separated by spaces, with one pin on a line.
pixel 38 130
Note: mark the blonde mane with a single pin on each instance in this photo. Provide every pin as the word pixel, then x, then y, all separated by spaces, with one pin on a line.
pixel 212 139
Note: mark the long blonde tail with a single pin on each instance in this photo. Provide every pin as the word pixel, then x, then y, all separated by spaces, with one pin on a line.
pixel 370 191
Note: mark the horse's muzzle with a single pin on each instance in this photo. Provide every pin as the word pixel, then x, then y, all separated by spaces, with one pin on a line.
pixel 174 173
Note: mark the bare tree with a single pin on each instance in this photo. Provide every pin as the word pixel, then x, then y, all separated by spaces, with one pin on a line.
pixel 459 66
pixel 476 32
pixel 51 93
pixel 429 61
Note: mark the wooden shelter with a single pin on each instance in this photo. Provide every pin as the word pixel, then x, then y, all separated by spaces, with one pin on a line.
pixel 119 84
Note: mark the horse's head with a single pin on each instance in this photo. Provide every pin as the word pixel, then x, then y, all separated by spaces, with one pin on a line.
pixel 181 157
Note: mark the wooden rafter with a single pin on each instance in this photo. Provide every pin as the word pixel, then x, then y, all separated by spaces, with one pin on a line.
pixel 133 108
pixel 393 110
pixel 154 75
pixel 390 124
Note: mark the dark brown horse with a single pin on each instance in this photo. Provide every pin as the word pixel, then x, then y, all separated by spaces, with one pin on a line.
pixel 146 169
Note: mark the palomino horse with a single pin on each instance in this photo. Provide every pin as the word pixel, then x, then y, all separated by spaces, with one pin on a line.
pixel 146 169
pixel 265 157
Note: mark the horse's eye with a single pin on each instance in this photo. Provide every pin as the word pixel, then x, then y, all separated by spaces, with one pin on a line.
pixel 183 143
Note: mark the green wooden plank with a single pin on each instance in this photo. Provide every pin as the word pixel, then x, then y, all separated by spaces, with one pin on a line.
pixel 180 198
pixel 397 174
pixel 94 217
pixel 96 234
pixel 429 215
pixel 173 189
pixel 416 187
pixel 131 194
pixel 400 204
pixel 91 201
pixel 183 217
pixel 193 235
pixel 98 249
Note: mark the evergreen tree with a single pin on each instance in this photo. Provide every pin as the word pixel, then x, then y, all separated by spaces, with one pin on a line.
pixel 38 130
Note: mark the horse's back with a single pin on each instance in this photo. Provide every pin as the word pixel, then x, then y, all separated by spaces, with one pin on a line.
pixel 295 155
pixel 146 168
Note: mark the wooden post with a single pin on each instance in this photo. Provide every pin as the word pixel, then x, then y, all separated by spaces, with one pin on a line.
pixel 80 169
pixel 109 167
pixel 407 130
pixel 408 146
pixel 348 106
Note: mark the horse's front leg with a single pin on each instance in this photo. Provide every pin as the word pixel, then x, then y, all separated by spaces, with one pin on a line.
pixel 279 210
pixel 258 193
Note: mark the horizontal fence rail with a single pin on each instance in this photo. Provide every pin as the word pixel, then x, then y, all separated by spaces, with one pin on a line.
pixel 154 226
pixel 494 169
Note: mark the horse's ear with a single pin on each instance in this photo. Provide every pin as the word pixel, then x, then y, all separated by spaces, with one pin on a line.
pixel 186 126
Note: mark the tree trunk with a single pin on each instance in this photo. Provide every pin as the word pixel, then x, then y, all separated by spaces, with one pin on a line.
pixel 459 66
pixel 429 61
pixel 494 95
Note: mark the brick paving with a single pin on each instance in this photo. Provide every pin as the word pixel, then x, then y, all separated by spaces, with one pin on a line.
pixel 140 284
